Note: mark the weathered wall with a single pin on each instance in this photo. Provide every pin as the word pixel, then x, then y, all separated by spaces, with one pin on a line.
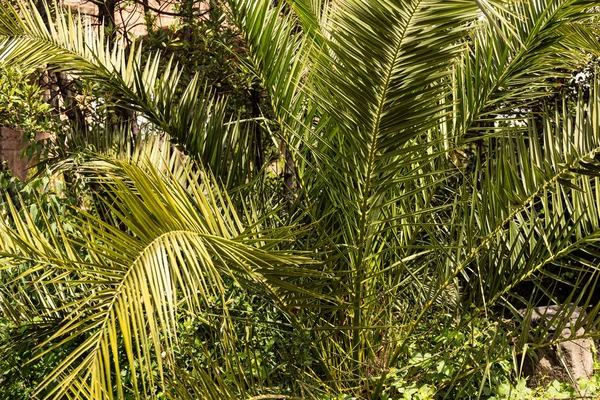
pixel 12 144
pixel 11 147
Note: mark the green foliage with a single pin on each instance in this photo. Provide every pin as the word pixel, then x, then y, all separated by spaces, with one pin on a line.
pixel 435 199
pixel 586 388
pixel 22 106
pixel 212 47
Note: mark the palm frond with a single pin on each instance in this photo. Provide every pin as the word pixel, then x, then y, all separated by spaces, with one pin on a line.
pixel 509 66
pixel 177 245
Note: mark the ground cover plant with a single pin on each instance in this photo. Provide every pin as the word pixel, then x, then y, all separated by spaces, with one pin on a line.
pixel 434 175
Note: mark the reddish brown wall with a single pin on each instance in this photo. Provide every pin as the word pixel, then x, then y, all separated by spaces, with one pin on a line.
pixel 11 145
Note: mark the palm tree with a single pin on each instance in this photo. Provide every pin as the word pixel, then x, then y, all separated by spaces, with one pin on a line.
pixel 436 186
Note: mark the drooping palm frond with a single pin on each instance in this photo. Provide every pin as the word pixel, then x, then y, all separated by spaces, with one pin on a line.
pixel 518 166
pixel 526 232
pixel 176 246
pixel 281 51
pixel 279 54
pixel 529 235
pixel 554 176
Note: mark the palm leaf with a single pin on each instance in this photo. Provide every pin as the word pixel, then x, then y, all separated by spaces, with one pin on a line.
pixel 177 245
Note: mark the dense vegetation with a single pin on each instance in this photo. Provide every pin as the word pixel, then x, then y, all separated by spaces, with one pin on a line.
pixel 303 198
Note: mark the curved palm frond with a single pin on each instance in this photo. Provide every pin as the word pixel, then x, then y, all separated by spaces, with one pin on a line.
pixel 166 247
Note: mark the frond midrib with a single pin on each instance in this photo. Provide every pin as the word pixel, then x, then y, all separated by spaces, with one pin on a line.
pixel 102 327
pixel 366 192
